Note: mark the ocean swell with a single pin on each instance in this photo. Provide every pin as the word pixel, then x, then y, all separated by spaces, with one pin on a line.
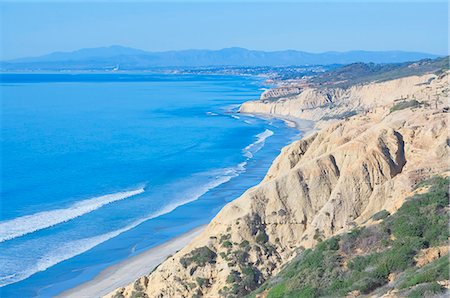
pixel 251 149
pixel 27 224
pixel 71 249
pixel 67 250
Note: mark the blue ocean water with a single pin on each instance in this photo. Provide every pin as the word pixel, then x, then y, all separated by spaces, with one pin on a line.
pixel 99 167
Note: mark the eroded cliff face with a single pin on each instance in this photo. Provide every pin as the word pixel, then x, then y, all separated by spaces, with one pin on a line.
pixel 317 187
pixel 337 103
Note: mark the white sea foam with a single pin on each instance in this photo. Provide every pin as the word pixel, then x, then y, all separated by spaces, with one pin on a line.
pixel 71 249
pixel 27 224
pixel 235 117
pixel 211 114
pixel 254 147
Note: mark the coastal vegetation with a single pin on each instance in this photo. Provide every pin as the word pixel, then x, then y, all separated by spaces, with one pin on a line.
pixel 361 73
pixel 376 258
pixel 341 116
pixel 404 105
pixel 199 256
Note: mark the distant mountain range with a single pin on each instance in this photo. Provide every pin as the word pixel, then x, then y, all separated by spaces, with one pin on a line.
pixel 113 57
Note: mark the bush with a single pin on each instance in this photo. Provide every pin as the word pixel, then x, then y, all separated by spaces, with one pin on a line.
pixel 369 283
pixel 312 258
pixel 305 292
pixel 200 256
pixel 340 116
pixel 360 263
pixel 225 237
pixel 138 295
pixel 192 285
pixel 404 105
pixel 348 240
pixel 380 215
pixel 242 283
pixel 427 290
pixel 241 256
pixel 250 278
pixel 227 244
pixel 262 237
pixel 234 277
pixel 244 244
pixel 420 215
pixel 435 271
pixel 201 281
pixel 277 291
pixel 332 243
pixel 317 235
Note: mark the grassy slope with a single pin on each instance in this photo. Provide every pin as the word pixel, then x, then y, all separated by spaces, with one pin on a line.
pixel 359 73
pixel 377 258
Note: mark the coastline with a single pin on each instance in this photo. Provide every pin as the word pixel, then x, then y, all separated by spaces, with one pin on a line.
pixel 308 127
pixel 130 269
pixel 290 121
pixel 323 169
pixel 68 276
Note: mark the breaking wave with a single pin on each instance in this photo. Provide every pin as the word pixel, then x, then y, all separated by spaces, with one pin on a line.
pixel 70 249
pixel 254 147
pixel 27 224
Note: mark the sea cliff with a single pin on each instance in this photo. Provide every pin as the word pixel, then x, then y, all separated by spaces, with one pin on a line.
pixel 374 143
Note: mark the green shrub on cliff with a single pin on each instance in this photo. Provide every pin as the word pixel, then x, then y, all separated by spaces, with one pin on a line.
pixel 138 295
pixel 227 243
pixel 404 105
pixel 262 237
pixel 200 256
pixel 436 270
pixel 380 215
pixel 426 290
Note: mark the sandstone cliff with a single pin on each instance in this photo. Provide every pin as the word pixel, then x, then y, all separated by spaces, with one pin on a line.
pixel 338 103
pixel 318 186
pixel 278 92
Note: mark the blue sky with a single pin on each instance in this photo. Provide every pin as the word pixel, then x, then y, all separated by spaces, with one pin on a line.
pixel 31 28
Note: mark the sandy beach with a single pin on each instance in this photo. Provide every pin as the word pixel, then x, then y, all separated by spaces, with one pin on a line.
pixel 132 268
pixel 307 127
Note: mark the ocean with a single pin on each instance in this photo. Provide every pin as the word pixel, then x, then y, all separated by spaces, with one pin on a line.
pixel 100 167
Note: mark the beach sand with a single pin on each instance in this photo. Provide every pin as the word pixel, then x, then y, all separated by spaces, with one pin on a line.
pixel 127 271
pixel 307 127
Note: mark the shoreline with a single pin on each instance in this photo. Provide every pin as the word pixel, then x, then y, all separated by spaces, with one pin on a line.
pixel 130 269
pixel 306 126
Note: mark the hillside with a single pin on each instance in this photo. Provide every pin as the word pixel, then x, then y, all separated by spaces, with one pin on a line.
pixel 405 253
pixel 321 186
pixel 353 89
pixel 347 76
pixel 108 58
pixel 359 73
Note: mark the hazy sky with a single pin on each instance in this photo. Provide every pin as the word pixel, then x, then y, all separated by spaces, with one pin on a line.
pixel 33 28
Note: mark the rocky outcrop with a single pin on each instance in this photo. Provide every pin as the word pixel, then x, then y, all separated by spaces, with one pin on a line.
pixel 317 187
pixel 428 255
pixel 339 103
pixel 278 92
